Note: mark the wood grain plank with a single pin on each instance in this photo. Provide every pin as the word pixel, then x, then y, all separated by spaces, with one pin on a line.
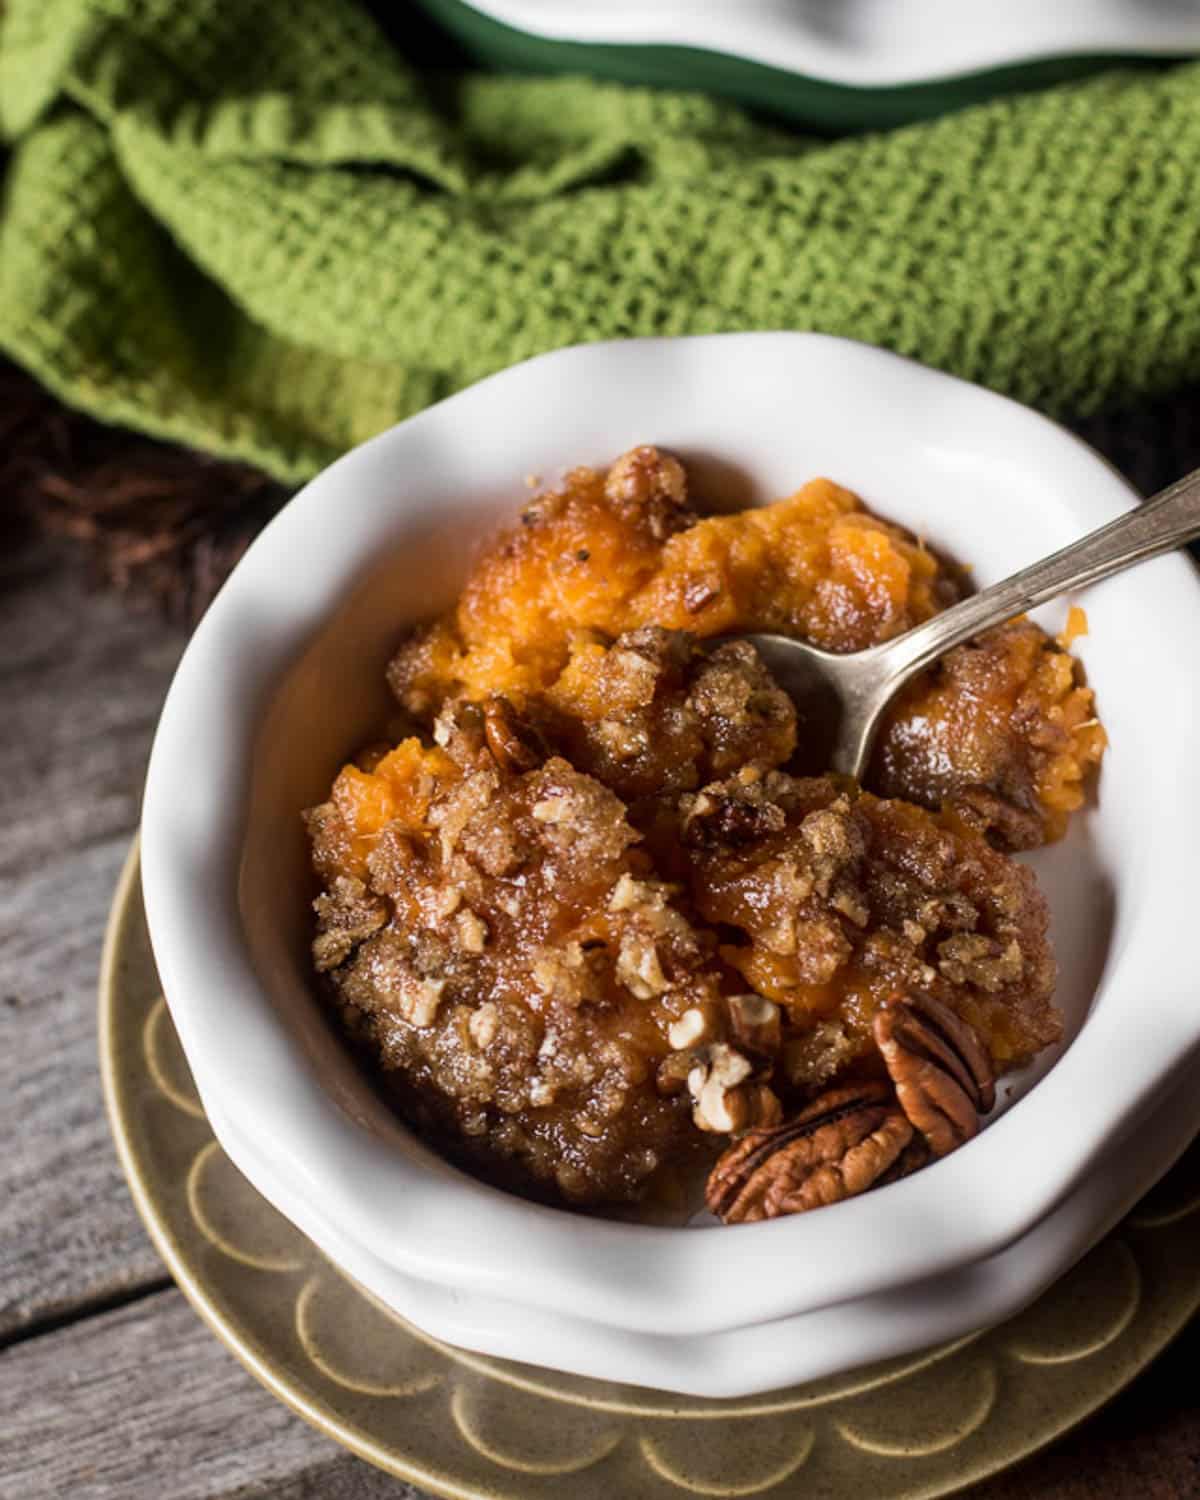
pixel 144 1403
pixel 81 682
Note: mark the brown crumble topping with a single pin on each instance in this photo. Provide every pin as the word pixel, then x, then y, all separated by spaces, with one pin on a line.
pixel 589 920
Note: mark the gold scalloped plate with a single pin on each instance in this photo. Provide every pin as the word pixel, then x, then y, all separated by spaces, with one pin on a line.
pixel 468 1426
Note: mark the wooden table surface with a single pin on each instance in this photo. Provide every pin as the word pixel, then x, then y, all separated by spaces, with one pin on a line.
pixel 109 1384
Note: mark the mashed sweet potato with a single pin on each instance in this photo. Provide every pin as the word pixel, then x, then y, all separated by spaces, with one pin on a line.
pixel 1002 729
pixel 592 914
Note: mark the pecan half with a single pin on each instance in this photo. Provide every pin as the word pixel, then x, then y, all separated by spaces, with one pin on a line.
pixel 914 1156
pixel 839 1146
pixel 942 1071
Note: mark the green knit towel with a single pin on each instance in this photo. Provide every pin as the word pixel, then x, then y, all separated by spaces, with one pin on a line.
pixel 251 226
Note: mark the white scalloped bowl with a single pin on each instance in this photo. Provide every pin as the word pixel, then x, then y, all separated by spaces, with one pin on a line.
pixel 284 677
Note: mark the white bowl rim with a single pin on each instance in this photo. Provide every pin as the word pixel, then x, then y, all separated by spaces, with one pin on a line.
pixel 765 1357
pixel 446 1228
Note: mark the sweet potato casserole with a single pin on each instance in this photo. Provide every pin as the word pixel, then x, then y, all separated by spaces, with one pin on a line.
pixel 599 919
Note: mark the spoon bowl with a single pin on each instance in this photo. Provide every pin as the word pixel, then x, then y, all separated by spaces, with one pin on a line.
pixel 834 696
pixel 840 699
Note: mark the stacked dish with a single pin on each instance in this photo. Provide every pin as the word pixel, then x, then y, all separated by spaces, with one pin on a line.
pixel 860 63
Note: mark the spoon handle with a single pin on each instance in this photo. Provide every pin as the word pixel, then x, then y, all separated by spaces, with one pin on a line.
pixel 1169 519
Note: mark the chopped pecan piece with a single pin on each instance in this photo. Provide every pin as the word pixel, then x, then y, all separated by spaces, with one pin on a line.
pixel 648 486
pixel 1005 824
pixel 698 593
pixel 839 1146
pixel 942 1071
pixel 756 1024
pixel 689 1030
pixel 727 1096
pixel 737 811
pixel 510 742
pixel 347 915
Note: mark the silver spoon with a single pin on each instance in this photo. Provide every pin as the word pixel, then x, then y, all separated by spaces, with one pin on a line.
pixel 845 696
